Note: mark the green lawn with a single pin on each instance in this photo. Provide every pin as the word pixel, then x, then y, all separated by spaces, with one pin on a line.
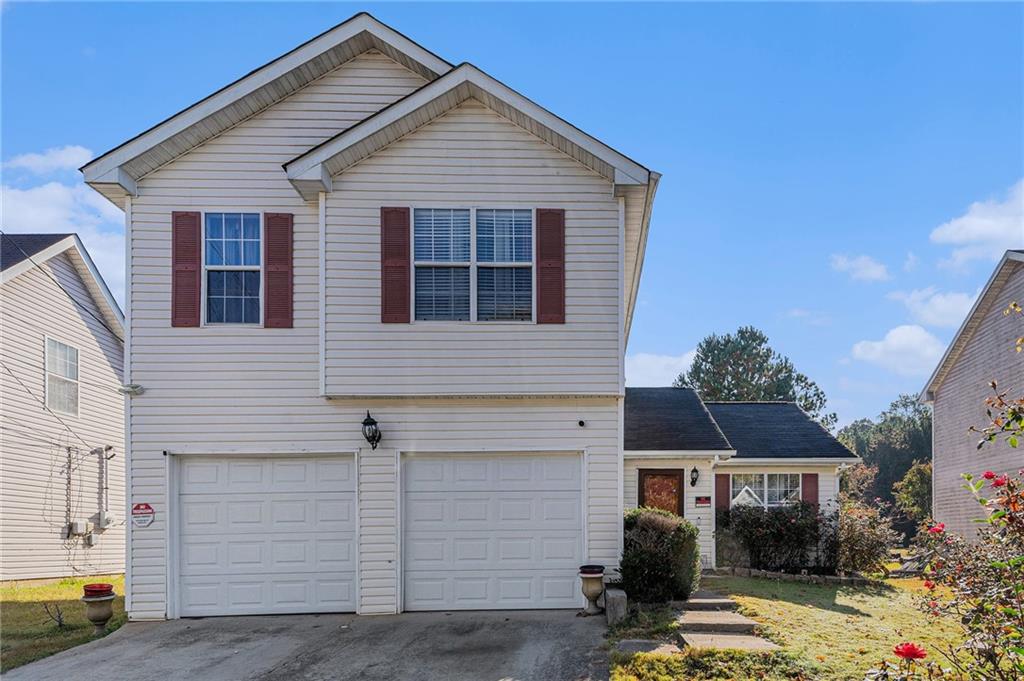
pixel 27 633
pixel 828 633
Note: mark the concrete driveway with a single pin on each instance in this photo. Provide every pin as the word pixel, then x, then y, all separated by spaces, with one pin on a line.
pixel 550 645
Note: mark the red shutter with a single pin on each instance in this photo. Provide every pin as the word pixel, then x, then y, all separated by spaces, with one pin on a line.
pixel 186 269
pixel 395 267
pixel 550 266
pixel 277 270
pixel 809 488
pixel 723 492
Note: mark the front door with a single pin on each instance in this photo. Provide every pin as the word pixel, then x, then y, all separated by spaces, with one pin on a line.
pixel 662 489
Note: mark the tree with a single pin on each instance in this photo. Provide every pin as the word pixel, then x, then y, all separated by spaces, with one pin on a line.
pixel 742 366
pixel 914 492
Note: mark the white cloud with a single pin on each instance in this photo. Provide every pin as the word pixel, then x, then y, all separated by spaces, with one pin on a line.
pixel 69 157
pixel 986 230
pixel 55 207
pixel 907 350
pixel 932 308
pixel 911 262
pixel 648 370
pixel 860 267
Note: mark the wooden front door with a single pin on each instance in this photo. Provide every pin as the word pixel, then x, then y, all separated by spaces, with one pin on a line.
pixel 662 489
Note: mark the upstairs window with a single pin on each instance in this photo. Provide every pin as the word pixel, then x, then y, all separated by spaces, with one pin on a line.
pixel 61 377
pixel 233 254
pixel 473 265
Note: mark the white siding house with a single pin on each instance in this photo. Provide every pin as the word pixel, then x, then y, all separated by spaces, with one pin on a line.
pixel 982 351
pixel 62 458
pixel 490 358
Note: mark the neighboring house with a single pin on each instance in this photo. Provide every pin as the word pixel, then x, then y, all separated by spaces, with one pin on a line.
pixel 360 226
pixel 981 352
pixel 693 457
pixel 62 462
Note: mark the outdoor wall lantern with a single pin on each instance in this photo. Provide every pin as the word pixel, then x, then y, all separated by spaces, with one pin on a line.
pixel 370 431
pixel 694 476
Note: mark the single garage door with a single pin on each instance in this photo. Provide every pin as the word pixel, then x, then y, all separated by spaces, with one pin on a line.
pixel 266 535
pixel 491 532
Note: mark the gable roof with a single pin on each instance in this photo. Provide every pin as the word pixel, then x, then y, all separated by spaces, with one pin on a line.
pixel 311 172
pixel 16 248
pixel 1010 261
pixel 115 172
pixel 775 430
pixel 27 251
pixel 669 419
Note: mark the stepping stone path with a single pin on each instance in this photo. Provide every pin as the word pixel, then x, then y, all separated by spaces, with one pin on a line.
pixel 710 620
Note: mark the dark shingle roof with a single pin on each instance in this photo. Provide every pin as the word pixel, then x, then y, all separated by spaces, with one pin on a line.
pixel 17 247
pixel 763 430
pixel 669 419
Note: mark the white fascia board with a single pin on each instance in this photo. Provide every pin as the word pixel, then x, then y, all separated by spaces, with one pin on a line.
pixel 927 394
pixel 794 461
pixel 99 167
pixel 116 177
pixel 71 243
pixel 626 170
pixel 641 249
pixel 722 454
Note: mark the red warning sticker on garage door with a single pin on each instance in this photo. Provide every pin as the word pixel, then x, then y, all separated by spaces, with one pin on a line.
pixel 142 515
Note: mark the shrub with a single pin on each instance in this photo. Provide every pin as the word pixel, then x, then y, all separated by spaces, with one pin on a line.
pixel 660 560
pixel 865 535
pixel 779 539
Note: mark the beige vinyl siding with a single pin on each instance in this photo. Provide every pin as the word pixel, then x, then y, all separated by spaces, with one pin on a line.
pixel 471 157
pixel 703 517
pixel 960 403
pixel 33 442
pixel 232 389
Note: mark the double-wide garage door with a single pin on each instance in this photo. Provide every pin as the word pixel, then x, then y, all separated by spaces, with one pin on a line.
pixel 267 535
pixel 491 532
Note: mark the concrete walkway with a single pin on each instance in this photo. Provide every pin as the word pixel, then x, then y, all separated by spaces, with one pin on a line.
pixel 710 620
pixel 551 645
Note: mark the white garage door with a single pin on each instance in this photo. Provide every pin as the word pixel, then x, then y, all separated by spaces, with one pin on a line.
pixel 267 535
pixel 491 532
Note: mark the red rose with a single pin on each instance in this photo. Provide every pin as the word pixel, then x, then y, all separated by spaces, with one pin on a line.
pixel 929 584
pixel 988 475
pixel 910 651
pixel 939 528
pixel 1001 481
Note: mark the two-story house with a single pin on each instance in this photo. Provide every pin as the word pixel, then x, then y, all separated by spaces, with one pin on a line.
pixel 62 457
pixel 358 231
pixel 982 351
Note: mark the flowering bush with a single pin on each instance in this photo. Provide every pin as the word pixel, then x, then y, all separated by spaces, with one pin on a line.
pixel 780 538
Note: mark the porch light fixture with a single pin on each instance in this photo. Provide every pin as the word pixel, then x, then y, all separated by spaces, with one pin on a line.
pixel 694 476
pixel 370 431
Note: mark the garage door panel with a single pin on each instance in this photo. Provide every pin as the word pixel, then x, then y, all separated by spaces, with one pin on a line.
pixel 267 536
pixel 510 473
pixel 498 531
pixel 480 590
pixel 443 511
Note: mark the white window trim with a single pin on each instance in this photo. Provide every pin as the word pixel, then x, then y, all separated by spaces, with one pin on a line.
pixel 473 264
pixel 226 268
pixel 47 372
pixel 764 483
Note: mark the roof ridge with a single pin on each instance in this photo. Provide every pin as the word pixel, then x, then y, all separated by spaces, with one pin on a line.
pixel 750 402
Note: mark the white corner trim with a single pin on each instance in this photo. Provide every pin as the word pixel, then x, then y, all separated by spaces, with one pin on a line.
pixel 306 167
pixel 322 286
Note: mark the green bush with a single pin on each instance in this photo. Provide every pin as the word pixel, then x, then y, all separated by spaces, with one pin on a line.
pixel 786 538
pixel 660 559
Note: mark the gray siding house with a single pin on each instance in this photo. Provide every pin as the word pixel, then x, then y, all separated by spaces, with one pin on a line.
pixel 981 351
pixel 62 463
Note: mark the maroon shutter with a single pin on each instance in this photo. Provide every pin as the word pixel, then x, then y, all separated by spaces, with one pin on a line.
pixel 809 488
pixel 186 269
pixel 723 491
pixel 550 266
pixel 277 270
pixel 395 265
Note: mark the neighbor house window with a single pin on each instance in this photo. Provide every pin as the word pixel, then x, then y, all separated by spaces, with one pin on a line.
pixel 233 254
pixel 473 265
pixel 765 489
pixel 61 377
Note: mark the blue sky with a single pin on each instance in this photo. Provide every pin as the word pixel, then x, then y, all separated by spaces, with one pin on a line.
pixel 842 176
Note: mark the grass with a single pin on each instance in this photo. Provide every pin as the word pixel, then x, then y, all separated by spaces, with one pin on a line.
pixel 28 634
pixel 828 632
